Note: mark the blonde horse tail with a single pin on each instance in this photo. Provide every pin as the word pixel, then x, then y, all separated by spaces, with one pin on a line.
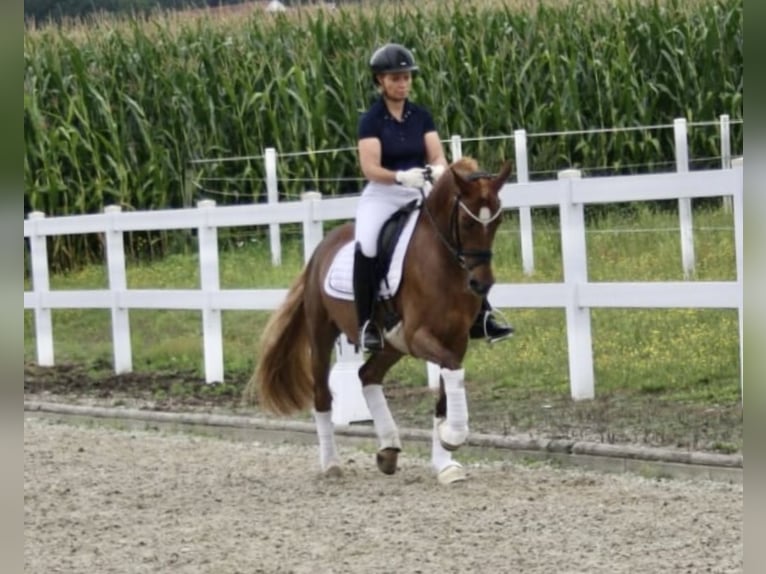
pixel 282 382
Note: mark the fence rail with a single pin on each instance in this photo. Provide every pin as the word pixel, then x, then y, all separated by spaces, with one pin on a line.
pixel 520 138
pixel 570 193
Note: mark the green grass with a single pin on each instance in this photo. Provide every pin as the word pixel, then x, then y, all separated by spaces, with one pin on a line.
pixel 680 354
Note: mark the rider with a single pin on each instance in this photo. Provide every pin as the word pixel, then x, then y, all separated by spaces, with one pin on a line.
pixel 397 139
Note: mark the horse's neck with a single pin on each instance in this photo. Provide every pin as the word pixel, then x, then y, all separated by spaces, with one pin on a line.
pixel 435 230
pixel 439 206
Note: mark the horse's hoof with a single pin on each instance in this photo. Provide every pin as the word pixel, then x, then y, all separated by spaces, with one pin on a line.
pixel 333 472
pixel 386 459
pixel 450 438
pixel 452 473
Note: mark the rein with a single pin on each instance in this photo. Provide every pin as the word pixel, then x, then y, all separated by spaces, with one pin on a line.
pixel 479 256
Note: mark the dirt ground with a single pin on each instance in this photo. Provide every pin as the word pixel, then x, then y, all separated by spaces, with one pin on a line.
pixel 641 419
pixel 103 500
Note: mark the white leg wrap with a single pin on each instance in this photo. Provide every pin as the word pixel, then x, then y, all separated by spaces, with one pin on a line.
pixel 441 458
pixel 454 430
pixel 328 453
pixel 447 470
pixel 385 427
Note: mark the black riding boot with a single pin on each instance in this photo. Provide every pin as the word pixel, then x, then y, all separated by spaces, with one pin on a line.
pixel 485 326
pixel 365 292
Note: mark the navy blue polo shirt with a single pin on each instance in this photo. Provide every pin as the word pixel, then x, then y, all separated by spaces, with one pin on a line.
pixel 402 143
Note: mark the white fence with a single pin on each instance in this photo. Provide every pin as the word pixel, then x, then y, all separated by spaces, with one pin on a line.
pixel 521 163
pixel 575 294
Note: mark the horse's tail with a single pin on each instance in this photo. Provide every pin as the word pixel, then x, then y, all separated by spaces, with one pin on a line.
pixel 282 382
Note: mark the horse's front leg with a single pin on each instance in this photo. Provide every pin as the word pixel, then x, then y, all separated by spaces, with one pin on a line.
pixel 329 460
pixel 446 468
pixel 453 428
pixel 451 415
pixel 371 374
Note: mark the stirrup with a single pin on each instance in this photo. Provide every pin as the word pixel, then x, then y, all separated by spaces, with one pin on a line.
pixel 501 331
pixel 370 329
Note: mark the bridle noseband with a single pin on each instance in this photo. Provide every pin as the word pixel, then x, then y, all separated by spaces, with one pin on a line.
pixel 478 257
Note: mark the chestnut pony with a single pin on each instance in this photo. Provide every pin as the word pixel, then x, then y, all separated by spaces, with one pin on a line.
pixel 447 270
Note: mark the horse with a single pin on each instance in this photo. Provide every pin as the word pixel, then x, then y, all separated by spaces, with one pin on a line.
pixel 447 270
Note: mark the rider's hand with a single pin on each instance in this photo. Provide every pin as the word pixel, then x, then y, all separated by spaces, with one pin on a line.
pixel 435 171
pixel 413 177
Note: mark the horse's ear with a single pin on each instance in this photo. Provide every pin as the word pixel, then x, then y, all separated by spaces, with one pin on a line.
pixel 463 185
pixel 502 177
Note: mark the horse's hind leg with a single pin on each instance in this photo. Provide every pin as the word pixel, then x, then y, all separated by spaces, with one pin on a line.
pixel 371 375
pixel 323 339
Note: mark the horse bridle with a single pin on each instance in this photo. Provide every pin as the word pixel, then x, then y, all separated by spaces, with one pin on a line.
pixel 478 256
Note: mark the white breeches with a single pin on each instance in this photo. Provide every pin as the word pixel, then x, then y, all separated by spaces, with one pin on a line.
pixel 377 203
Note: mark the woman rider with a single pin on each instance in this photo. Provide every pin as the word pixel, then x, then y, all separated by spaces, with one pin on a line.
pixel 397 139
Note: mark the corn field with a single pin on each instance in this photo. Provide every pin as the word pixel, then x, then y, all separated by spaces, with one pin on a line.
pixel 117 110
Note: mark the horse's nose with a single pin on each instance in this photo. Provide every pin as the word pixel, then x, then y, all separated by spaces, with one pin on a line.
pixel 479 287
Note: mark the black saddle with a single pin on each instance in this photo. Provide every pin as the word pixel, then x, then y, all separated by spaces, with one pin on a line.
pixel 389 236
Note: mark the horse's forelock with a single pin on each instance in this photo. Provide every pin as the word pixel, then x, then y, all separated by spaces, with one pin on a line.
pixel 465 165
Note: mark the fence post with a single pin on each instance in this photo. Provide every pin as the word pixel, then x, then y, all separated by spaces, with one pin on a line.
pixel 115 263
pixel 725 129
pixel 525 213
pixel 348 402
pixel 433 372
pixel 575 264
pixel 684 203
pixel 38 252
pixel 456 145
pixel 209 283
pixel 313 230
pixel 272 193
pixel 739 242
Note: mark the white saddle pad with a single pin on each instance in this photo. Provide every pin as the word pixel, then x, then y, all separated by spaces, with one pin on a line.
pixel 339 282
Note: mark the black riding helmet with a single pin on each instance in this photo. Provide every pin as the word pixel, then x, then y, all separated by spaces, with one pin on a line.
pixel 391 58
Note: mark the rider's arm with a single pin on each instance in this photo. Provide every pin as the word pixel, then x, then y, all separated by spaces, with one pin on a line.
pixel 434 150
pixel 369 160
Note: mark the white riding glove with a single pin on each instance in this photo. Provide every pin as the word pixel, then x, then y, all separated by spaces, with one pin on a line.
pixel 437 170
pixel 413 177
